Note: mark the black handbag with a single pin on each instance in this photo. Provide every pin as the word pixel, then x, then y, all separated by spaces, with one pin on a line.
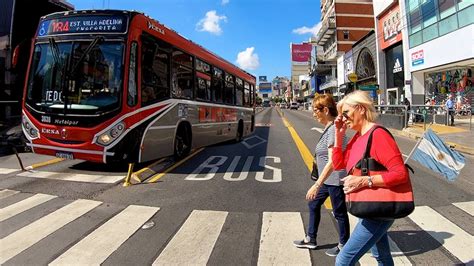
pixel 379 202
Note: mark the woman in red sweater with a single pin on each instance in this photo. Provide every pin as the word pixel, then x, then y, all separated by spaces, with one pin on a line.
pixel 356 111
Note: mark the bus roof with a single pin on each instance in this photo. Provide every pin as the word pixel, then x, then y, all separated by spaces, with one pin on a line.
pixel 132 13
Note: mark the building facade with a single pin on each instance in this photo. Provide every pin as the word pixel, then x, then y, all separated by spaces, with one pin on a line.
pixel 343 23
pixel 441 50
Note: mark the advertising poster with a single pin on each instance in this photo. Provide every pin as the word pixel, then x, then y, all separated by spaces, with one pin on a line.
pixel 390 27
pixel 301 53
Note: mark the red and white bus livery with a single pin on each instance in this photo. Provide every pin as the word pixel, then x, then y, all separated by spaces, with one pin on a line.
pixel 117 86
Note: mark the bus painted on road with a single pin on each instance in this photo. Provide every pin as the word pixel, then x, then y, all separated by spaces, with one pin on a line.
pixel 118 86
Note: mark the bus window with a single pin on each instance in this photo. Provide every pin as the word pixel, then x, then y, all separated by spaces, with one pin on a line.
pixel 155 65
pixel 132 76
pixel 217 84
pixel 203 67
pixel 182 75
pixel 239 92
pixel 229 89
pixel 203 89
pixel 246 94
pixel 252 94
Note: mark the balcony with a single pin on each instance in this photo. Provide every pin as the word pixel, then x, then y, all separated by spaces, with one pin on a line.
pixel 331 83
pixel 328 28
pixel 331 52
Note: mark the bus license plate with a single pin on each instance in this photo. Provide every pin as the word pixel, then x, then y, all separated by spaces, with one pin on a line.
pixel 65 155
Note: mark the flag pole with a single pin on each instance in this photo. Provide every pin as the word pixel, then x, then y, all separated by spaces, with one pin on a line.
pixel 414 148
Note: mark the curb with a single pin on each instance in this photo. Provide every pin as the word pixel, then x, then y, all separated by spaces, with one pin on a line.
pixel 416 136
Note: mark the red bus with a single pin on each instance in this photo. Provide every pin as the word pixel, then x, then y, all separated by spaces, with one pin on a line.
pixel 118 86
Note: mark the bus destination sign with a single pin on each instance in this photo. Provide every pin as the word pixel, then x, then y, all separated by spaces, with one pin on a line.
pixel 83 24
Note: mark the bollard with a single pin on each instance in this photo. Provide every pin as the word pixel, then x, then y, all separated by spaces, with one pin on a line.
pixel 127 183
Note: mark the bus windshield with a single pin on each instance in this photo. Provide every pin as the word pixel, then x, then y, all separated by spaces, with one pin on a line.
pixel 76 77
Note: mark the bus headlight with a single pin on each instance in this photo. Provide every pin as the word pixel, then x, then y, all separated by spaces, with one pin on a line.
pixel 29 129
pixel 112 134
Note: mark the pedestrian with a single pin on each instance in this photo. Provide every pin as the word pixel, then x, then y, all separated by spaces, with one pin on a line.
pixel 356 111
pixel 449 105
pixel 328 183
pixel 406 102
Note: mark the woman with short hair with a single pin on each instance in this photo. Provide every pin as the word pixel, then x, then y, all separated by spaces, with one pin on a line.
pixel 357 111
pixel 328 183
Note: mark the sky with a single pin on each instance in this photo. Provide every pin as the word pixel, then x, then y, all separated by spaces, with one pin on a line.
pixel 253 34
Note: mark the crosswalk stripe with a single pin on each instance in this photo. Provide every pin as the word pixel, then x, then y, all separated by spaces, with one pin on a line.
pixel 24 205
pixel 7 193
pixel 367 259
pixel 22 239
pixel 73 177
pixel 6 171
pixel 467 206
pixel 454 239
pixel 279 230
pixel 98 245
pixel 195 240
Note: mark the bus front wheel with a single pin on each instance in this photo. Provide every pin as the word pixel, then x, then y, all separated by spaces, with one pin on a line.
pixel 182 142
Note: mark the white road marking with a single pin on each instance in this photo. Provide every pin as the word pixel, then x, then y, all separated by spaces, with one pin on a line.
pixel 95 248
pixel 6 171
pixel 7 193
pixel 450 236
pixel 24 238
pixel 24 205
pixel 73 177
pixel 467 206
pixel 279 230
pixel 195 240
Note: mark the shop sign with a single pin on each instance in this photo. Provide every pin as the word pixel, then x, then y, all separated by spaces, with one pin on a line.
pixel 352 77
pixel 417 58
pixel 390 25
pixel 373 87
pixel 397 67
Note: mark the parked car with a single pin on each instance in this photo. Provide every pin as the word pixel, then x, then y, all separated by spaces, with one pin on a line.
pixel 294 106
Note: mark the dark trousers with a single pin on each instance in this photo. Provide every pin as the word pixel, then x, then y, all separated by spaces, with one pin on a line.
pixel 451 115
pixel 338 202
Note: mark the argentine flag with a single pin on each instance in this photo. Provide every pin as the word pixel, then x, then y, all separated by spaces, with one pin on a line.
pixel 435 155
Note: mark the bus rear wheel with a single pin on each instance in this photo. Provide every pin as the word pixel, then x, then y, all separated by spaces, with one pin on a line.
pixel 182 142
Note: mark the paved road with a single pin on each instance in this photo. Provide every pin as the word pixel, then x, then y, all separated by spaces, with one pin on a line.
pixel 234 203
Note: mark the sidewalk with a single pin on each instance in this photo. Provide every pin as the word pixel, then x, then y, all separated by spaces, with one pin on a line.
pixel 459 137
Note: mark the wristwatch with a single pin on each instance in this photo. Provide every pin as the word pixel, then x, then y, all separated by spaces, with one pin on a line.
pixel 369 181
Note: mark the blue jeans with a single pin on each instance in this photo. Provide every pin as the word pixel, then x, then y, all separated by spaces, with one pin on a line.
pixel 368 234
pixel 339 209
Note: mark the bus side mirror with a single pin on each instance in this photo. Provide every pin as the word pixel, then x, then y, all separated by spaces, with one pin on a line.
pixel 16 54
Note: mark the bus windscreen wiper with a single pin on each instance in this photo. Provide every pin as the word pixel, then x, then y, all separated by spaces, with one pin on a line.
pixel 97 40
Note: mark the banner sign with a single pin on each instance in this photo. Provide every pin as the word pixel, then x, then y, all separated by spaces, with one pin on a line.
pixel 301 53
pixel 390 25
pixel 83 24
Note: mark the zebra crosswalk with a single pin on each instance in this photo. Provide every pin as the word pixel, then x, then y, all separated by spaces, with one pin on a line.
pixel 195 238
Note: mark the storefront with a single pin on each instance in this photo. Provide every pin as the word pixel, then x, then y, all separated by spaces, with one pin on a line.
pixel 441 55
pixel 363 53
pixel 393 84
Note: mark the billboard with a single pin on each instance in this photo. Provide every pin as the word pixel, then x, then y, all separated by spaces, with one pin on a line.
pixel 265 87
pixel 390 25
pixel 262 78
pixel 301 53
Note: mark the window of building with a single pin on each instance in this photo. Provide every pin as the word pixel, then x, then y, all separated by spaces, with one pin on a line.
pixel 448 24
pixel 346 34
pixel 428 12
pixel 464 3
pixel 465 16
pixel 446 8
pixel 182 75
